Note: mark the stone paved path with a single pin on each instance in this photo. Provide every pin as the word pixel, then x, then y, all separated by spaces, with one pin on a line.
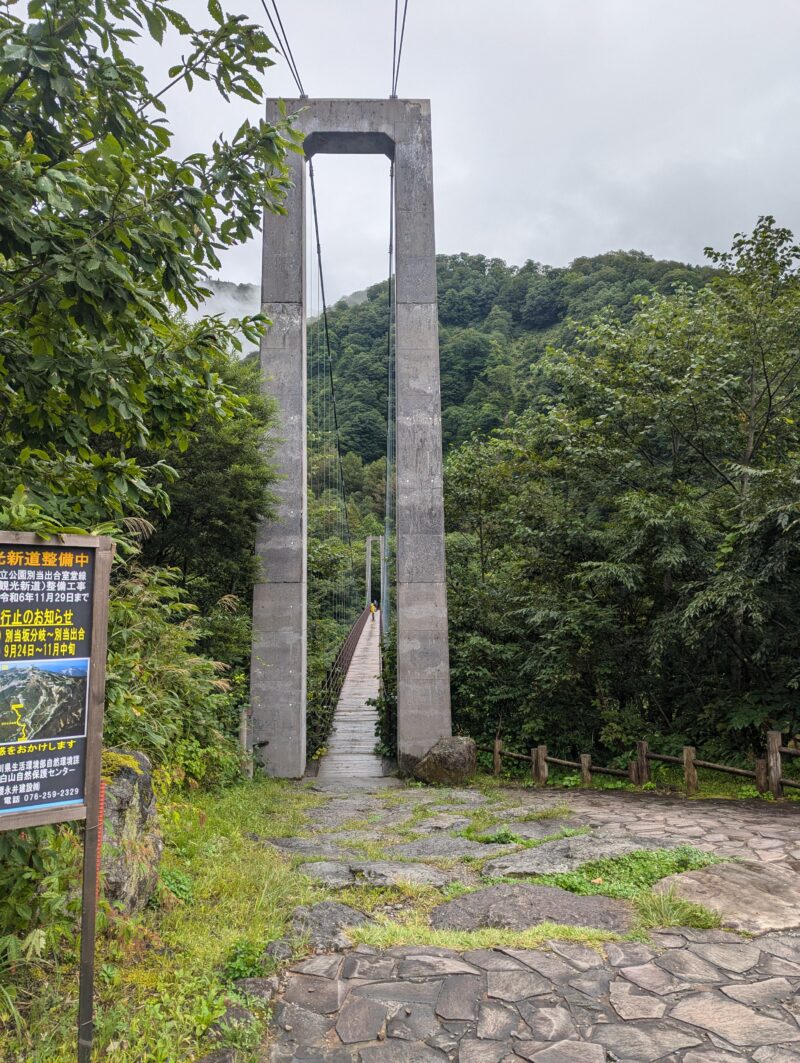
pixel 682 996
pixel 698 997
pixel 752 830
pixel 351 746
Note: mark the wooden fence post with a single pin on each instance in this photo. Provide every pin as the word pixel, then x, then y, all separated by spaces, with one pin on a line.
pixel 762 776
pixel 689 770
pixel 586 769
pixel 497 759
pixel 540 770
pixel 633 772
pixel 642 763
pixel 774 743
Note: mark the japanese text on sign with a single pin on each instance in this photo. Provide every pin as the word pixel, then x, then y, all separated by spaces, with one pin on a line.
pixel 45 645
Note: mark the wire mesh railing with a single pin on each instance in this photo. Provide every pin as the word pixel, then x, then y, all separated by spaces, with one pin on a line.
pixel 326 695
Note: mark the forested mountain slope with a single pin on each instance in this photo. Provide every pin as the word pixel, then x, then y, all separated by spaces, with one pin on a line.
pixel 495 322
pixel 621 441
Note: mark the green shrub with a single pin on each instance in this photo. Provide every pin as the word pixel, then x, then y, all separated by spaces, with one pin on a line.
pixel 178 883
pixel 162 697
pixel 245 960
pixel 39 870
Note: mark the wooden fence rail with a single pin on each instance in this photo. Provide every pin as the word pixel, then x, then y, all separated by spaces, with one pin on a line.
pixel 768 776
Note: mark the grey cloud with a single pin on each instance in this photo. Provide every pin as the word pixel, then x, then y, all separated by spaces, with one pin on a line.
pixel 561 127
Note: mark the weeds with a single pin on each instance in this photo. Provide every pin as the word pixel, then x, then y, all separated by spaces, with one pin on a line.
pixel 560 811
pixel 245 960
pixel 414 930
pixel 667 909
pixel 164 975
pixel 626 876
pixel 369 850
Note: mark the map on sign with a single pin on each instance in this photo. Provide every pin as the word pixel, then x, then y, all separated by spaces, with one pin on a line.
pixel 42 699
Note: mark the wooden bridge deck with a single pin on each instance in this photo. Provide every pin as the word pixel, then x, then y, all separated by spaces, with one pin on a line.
pixel 351 746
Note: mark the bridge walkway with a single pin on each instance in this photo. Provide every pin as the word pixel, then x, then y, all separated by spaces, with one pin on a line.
pixel 351 746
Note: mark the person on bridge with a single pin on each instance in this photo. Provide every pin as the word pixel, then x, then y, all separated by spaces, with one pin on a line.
pixel 372 610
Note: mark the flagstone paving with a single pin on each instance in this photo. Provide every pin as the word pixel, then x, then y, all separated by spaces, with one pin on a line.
pixel 683 996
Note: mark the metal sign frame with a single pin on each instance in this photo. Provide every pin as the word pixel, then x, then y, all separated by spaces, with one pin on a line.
pixel 89 809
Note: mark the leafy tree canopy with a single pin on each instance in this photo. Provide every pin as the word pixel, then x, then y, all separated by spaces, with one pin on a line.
pixel 104 233
pixel 624 560
pixel 495 323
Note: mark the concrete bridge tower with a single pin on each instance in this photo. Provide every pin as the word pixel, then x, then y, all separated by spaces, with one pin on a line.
pixel 401 130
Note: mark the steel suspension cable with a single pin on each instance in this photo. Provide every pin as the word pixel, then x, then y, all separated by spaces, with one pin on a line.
pixel 394 50
pixel 388 519
pixel 284 47
pixel 326 336
pixel 397 52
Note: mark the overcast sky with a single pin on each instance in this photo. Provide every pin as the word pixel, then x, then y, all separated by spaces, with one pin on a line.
pixel 560 127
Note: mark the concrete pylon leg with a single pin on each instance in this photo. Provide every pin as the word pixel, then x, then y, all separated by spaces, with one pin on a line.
pixel 278 665
pixel 400 129
pixel 423 668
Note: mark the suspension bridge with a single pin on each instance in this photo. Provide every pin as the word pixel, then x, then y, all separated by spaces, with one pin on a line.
pixel 316 658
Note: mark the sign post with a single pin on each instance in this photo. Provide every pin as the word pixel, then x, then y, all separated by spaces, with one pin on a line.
pixel 53 636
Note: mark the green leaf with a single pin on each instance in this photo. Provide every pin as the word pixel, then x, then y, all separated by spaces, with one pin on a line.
pixel 155 22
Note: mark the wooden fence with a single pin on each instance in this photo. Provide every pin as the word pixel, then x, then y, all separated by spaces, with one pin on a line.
pixel 767 775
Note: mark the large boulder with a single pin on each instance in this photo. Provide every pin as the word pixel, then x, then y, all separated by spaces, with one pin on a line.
pixel 451 762
pixel 132 842
pixel 519 907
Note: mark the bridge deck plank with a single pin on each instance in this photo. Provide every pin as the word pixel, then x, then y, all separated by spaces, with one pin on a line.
pixel 351 746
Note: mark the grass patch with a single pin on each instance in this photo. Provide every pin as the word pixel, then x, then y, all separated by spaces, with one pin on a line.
pixel 370 850
pixel 559 811
pixel 354 824
pixel 632 877
pixel 393 800
pixel 504 836
pixel 414 930
pixel 501 836
pixel 626 876
pixel 488 825
pixel 405 834
pixel 482 822
pixel 161 976
pixel 372 898
pixel 667 909
pixel 407 830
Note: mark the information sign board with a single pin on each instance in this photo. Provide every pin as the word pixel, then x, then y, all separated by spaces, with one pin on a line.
pixel 53 631
pixel 45 660
pixel 50 654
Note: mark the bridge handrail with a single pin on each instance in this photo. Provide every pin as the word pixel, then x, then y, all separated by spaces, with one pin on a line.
pixel 334 679
pixel 767 776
